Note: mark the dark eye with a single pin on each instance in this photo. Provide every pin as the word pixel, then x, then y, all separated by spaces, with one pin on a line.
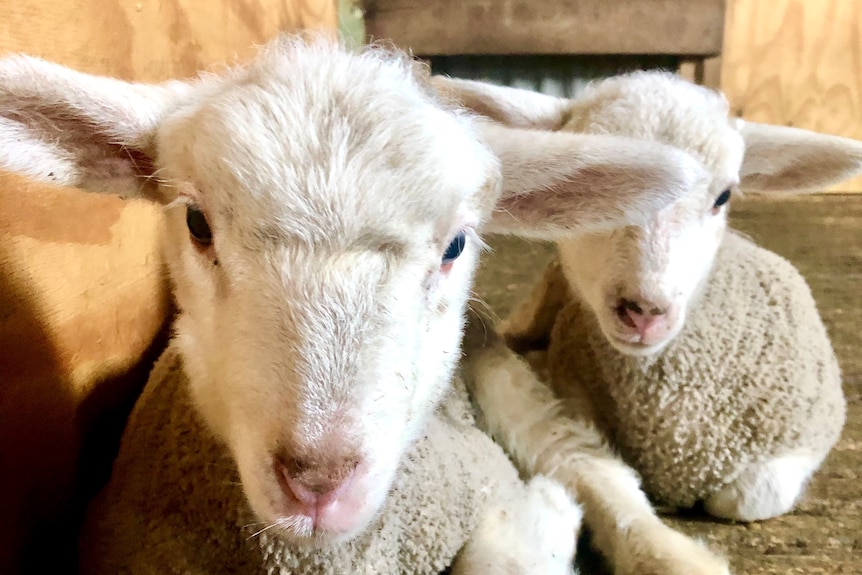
pixel 722 199
pixel 455 248
pixel 198 226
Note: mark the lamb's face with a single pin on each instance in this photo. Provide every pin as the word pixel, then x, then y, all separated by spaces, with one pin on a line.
pixel 321 322
pixel 641 281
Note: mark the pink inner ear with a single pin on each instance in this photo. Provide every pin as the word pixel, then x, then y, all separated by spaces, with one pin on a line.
pixel 555 208
pixel 142 163
pixel 525 203
pixel 122 162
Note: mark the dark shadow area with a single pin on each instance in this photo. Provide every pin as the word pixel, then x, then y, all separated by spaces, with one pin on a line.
pixel 35 409
pixel 101 419
pixel 553 74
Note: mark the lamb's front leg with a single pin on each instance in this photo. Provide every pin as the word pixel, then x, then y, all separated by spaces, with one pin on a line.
pixel 534 535
pixel 522 413
pixel 624 526
pixel 528 325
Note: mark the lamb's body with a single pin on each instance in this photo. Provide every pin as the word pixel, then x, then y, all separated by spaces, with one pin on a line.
pixel 732 411
pixel 719 399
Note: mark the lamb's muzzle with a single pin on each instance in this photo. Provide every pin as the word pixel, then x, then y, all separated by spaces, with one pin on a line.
pixel 314 489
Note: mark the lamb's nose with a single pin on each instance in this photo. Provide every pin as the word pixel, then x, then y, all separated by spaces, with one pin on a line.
pixel 646 318
pixel 316 483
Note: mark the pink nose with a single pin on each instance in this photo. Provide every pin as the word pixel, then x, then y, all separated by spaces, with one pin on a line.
pixel 315 484
pixel 648 320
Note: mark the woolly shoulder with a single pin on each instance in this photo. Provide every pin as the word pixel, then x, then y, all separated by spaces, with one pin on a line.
pixel 170 491
pixel 761 309
pixel 765 286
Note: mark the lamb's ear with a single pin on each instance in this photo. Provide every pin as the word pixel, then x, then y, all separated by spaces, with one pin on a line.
pixel 59 125
pixel 559 183
pixel 512 107
pixel 778 158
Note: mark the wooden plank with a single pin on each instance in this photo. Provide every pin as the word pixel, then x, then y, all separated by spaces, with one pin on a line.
pixel 448 27
pixel 796 63
pixel 152 40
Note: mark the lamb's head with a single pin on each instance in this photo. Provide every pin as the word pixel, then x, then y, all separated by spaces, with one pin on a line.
pixel 322 213
pixel 641 280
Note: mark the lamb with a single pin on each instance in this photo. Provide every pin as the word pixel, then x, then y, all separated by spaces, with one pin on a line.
pixel 323 210
pixel 696 355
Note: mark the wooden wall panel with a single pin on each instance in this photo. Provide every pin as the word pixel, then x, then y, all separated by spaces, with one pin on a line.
pixel 479 27
pixel 798 63
pixel 151 40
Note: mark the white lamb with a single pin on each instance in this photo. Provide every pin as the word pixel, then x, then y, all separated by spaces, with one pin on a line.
pixel 738 421
pixel 322 213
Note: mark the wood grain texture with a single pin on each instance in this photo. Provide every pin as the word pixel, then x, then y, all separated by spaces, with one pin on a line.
pixel 447 27
pixel 796 63
pixel 152 40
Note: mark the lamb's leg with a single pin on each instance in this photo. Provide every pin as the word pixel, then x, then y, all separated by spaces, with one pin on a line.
pixel 522 413
pixel 529 325
pixel 535 535
pixel 765 489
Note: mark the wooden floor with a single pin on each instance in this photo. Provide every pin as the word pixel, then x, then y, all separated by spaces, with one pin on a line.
pixel 822 236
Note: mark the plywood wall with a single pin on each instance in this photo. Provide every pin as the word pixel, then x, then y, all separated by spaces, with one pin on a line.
pixel 151 40
pixel 797 63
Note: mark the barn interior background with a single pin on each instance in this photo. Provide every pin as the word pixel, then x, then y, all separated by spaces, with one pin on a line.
pixel 792 62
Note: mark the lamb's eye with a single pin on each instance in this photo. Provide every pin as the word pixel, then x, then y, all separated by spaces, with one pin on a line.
pixel 722 199
pixel 198 226
pixel 455 248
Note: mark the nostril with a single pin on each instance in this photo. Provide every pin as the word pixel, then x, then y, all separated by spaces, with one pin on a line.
pixel 292 466
pixel 625 316
pixel 658 311
pixel 631 305
pixel 292 486
pixel 313 483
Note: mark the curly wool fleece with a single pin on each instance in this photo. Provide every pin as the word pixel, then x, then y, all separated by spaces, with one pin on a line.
pixel 752 376
pixel 174 504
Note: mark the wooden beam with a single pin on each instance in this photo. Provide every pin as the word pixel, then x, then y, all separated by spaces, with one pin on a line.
pixel 447 27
